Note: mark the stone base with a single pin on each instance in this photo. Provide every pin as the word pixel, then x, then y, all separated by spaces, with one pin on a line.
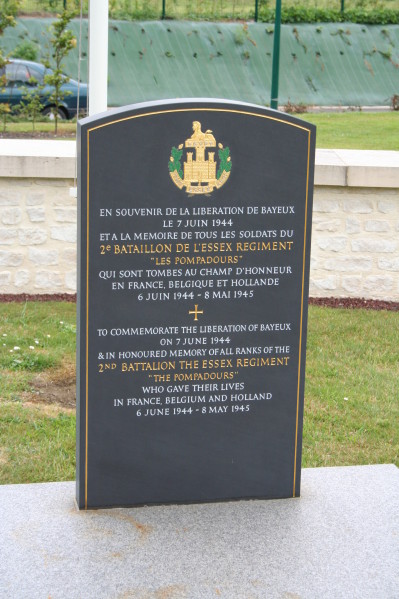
pixel 339 540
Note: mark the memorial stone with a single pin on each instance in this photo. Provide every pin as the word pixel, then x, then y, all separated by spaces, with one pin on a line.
pixel 194 244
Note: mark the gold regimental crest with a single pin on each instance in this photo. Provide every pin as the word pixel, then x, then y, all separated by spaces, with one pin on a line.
pixel 199 173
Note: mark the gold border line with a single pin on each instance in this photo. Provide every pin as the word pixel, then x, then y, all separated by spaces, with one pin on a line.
pixel 87 318
pixel 263 116
pixel 300 332
pixel 137 116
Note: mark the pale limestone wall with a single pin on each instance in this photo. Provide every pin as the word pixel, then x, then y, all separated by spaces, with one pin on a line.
pixel 37 236
pixel 355 241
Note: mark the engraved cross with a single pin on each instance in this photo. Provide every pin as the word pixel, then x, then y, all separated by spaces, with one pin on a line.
pixel 196 312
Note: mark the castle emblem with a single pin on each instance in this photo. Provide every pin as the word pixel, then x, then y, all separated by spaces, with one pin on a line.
pixel 199 174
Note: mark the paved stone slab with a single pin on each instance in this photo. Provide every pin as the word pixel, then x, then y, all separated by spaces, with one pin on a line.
pixel 339 540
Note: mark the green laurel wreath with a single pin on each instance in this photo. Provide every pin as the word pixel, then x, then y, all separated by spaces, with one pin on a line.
pixel 225 162
pixel 174 162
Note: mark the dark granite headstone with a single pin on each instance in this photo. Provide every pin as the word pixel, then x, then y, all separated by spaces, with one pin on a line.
pixel 194 246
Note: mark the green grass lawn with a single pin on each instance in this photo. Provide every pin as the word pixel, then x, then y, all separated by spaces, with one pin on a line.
pixel 356 130
pixel 350 130
pixel 351 398
pixel 37 441
pixel 65 128
pixel 352 394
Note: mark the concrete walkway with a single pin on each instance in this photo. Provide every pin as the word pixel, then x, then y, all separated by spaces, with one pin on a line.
pixel 339 540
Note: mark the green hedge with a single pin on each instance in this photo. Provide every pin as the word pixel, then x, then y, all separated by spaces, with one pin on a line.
pixel 302 14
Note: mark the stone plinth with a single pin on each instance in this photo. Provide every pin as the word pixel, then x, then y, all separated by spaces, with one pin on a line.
pixel 339 540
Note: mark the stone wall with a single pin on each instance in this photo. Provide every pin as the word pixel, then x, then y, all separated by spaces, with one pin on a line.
pixel 37 236
pixel 355 241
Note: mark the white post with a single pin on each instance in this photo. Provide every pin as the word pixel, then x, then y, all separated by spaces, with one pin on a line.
pixel 98 56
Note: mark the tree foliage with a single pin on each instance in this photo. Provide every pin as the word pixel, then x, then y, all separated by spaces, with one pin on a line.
pixel 62 41
pixel 8 12
pixel 5 111
pixel 31 104
pixel 26 50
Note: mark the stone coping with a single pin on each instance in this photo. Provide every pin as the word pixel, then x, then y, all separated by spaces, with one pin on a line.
pixel 48 159
pixel 42 159
pixel 357 168
pixel 339 540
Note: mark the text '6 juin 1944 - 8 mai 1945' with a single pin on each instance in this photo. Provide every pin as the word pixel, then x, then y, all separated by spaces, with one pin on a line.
pixel 194 244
